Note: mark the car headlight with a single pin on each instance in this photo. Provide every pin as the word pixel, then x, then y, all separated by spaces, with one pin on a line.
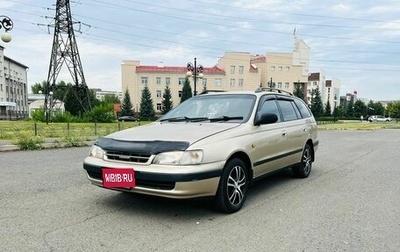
pixel 179 157
pixel 96 152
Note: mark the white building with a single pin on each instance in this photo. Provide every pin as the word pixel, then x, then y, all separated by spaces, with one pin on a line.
pixel 13 88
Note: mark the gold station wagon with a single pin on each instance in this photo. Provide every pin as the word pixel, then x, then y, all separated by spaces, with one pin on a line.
pixel 214 144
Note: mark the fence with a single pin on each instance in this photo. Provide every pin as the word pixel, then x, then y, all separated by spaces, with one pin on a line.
pixel 13 130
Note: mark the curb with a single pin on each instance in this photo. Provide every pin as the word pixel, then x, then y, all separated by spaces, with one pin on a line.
pixel 49 143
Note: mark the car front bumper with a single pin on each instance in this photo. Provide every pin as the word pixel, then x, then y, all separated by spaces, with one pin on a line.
pixel 178 182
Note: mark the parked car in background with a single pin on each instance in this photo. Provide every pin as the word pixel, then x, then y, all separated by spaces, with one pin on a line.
pixel 212 145
pixel 379 118
pixel 127 119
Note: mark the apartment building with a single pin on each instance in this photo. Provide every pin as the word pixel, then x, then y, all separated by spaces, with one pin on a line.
pixel 233 71
pixel 13 88
pixel 329 88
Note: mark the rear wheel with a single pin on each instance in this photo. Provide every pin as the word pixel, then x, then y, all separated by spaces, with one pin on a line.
pixel 233 186
pixel 303 169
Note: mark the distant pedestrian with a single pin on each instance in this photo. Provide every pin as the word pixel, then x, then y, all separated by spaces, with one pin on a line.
pixel 362 118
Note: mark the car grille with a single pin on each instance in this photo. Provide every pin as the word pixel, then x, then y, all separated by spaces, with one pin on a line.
pixel 127 157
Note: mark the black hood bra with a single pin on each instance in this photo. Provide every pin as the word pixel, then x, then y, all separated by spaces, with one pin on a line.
pixel 144 147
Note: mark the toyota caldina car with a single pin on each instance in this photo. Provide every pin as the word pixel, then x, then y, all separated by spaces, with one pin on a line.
pixel 212 145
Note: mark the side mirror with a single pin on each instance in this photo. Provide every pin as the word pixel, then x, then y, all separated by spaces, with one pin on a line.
pixel 266 118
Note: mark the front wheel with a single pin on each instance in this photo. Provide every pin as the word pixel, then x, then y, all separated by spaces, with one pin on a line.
pixel 303 169
pixel 233 186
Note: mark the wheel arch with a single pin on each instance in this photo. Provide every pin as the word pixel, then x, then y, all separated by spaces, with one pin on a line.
pixel 245 158
pixel 311 144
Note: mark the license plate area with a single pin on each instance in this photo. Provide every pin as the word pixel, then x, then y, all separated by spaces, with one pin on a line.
pixel 118 178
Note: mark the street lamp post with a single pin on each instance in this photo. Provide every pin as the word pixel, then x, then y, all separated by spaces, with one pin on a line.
pixel 7 24
pixel 195 71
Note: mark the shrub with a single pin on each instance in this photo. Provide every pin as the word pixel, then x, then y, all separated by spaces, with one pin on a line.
pixel 30 143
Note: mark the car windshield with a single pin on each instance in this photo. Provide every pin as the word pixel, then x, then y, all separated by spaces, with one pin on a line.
pixel 213 108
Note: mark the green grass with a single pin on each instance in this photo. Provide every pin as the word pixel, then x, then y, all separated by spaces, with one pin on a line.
pixel 11 130
pixel 358 125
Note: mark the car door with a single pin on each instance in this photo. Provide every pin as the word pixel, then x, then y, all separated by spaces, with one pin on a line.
pixel 295 130
pixel 268 140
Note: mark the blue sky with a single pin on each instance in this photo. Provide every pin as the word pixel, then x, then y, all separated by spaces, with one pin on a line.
pixel 356 41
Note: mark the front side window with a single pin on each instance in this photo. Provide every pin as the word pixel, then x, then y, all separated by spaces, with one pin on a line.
pixel 271 107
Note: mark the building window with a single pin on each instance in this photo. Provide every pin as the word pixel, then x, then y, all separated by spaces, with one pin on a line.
pixel 232 69
pixel 158 80
pixel 1 87
pixel 286 85
pixel 158 106
pixel 159 95
pixel 241 69
pixel 218 82
pixel 280 68
pixel 287 68
pixel 167 81
pixel 272 68
pixel 204 81
pixel 180 94
pixel 240 83
pixel 314 83
pixel 232 82
pixel 280 85
pixel 182 81
pixel 145 81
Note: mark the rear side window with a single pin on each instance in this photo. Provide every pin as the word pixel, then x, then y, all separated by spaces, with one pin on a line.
pixel 305 112
pixel 288 110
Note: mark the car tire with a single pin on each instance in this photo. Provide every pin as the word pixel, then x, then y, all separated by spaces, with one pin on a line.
pixel 233 186
pixel 303 169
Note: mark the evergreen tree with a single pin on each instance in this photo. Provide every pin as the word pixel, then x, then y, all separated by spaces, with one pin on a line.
pixel 146 104
pixel 350 109
pixel 298 91
pixel 166 104
pixel 186 90
pixel 328 110
pixel 127 107
pixel 317 107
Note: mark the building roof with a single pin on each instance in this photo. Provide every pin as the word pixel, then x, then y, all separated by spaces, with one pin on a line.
pixel 15 62
pixel 176 69
pixel 313 77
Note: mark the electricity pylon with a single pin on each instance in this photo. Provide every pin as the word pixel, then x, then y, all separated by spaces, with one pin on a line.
pixel 65 50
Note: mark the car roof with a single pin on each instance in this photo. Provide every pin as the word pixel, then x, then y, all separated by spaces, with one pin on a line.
pixel 260 91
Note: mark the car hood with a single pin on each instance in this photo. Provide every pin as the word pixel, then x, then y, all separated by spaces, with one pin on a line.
pixel 161 131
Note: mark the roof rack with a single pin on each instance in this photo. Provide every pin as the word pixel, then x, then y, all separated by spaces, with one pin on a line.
pixel 211 91
pixel 277 90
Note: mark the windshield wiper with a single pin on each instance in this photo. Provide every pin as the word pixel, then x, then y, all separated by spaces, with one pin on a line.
pixel 226 118
pixel 184 119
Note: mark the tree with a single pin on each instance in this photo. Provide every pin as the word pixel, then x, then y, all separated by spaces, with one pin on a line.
pixel 146 104
pixel 186 90
pixel 393 109
pixel 360 109
pixel 350 109
pixel 317 107
pixel 298 91
pixel 328 110
pixel 110 99
pixel 166 104
pixel 127 107
pixel 78 99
